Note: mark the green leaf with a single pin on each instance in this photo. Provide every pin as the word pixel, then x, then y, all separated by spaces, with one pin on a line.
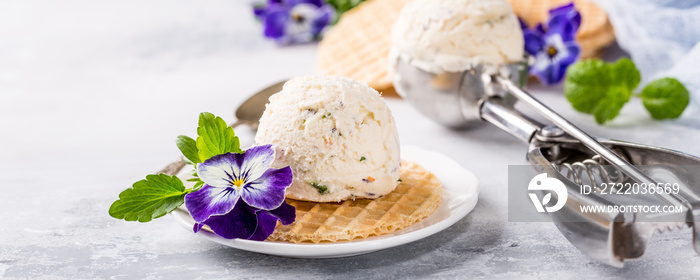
pixel 610 108
pixel 342 6
pixel 322 189
pixel 188 147
pixel 215 137
pixel 578 89
pixel 150 198
pixel 665 98
pixel 625 72
pixel 599 88
pixel 198 185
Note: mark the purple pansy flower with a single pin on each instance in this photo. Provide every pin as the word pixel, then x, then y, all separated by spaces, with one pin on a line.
pixel 554 46
pixel 294 21
pixel 242 196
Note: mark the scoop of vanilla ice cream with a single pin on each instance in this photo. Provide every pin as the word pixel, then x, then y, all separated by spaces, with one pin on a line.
pixel 336 134
pixel 454 35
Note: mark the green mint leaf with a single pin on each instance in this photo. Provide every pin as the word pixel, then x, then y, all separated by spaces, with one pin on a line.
pixel 188 147
pixel 626 74
pixel 602 89
pixel 586 83
pixel 150 198
pixel 610 108
pixel 215 137
pixel 665 98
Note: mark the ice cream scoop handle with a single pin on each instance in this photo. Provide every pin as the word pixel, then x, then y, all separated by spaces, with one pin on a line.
pixel 496 112
pixel 585 139
pixel 173 167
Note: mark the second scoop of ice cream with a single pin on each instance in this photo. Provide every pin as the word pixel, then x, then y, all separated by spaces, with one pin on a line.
pixel 454 35
pixel 337 135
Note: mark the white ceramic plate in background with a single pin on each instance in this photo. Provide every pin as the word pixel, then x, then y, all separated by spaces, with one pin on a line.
pixel 459 196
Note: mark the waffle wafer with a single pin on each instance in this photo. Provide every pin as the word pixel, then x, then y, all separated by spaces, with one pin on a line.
pixel 415 198
pixel 594 33
pixel 358 45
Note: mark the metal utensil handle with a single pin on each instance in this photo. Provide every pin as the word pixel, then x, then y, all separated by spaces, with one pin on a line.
pixel 585 139
pixel 174 167
pixel 493 110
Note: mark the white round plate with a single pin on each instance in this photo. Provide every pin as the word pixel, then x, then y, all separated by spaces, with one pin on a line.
pixel 459 196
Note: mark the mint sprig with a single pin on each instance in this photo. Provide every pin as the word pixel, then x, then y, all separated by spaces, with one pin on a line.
pixel 160 194
pixel 150 198
pixel 602 89
pixel 215 137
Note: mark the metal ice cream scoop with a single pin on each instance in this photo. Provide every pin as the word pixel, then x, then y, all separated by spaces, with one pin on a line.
pixel 564 152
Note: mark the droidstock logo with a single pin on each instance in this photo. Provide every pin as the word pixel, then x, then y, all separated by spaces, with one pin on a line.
pixel 542 183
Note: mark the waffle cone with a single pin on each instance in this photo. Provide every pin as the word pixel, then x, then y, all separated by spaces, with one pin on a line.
pixel 358 45
pixel 415 198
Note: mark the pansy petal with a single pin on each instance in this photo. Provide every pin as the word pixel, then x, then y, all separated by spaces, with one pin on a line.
pixel 221 170
pixel 300 25
pixel 569 12
pixel 523 25
pixel 323 18
pixel 275 23
pixel 266 225
pixel 286 213
pixel 267 220
pixel 259 11
pixel 566 30
pixel 241 222
pixel 572 54
pixel 292 3
pixel 561 9
pixel 267 192
pixel 575 18
pixel 556 22
pixel 540 29
pixel 542 61
pixel 565 21
pixel 197 227
pixel 255 161
pixel 210 201
pixel 533 43
pixel 542 68
pixel 556 41
pixel 555 74
pixel 544 76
